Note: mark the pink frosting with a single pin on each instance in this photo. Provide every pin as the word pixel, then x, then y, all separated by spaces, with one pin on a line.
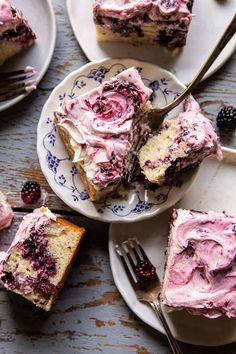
pixel 39 217
pixel 196 130
pixel 100 124
pixel 201 269
pixel 7 19
pixel 135 8
pixel 6 213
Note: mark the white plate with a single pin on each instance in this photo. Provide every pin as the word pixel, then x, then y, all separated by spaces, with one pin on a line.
pixel 140 203
pixel 41 18
pixel 214 189
pixel 211 19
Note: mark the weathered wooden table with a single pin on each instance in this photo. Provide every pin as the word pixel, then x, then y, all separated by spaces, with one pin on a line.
pixel 90 315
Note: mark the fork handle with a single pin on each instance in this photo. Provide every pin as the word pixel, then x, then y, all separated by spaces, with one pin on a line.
pixel 156 306
pixel 225 38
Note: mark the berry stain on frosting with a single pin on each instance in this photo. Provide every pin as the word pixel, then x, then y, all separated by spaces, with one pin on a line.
pixel 103 123
pixel 201 268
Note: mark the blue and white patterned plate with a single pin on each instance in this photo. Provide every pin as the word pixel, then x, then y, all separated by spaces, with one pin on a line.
pixel 139 202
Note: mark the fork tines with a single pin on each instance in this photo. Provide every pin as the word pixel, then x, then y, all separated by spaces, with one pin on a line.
pixel 132 254
pixel 15 83
pixel 128 175
pixel 145 281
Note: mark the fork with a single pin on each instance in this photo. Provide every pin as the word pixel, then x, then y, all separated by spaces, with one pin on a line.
pixel 16 83
pixel 145 281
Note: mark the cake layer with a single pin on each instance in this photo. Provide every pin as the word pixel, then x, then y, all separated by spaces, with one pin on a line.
pixel 100 128
pixel 200 273
pixel 162 21
pixel 40 256
pixel 179 144
pixel 15 32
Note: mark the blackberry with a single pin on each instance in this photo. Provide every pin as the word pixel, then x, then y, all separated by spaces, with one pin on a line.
pixel 226 118
pixel 145 271
pixel 30 192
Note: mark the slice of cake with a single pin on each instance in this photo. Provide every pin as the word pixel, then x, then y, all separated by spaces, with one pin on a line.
pixel 15 32
pixel 101 128
pixel 200 274
pixel 40 256
pixel 180 144
pixel 143 21
pixel 6 213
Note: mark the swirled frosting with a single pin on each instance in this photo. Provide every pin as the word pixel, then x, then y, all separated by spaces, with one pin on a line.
pixel 6 213
pixel 102 124
pixel 201 267
pixel 154 9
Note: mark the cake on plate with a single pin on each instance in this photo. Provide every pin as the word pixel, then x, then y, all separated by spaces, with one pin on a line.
pixel 101 129
pixel 180 144
pixel 6 212
pixel 200 274
pixel 143 21
pixel 40 256
pixel 15 32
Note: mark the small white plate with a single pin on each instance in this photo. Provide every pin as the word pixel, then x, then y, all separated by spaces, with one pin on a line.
pixel 140 202
pixel 41 18
pixel 214 189
pixel 207 26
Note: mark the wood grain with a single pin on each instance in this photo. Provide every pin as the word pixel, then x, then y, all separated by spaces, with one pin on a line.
pixel 90 315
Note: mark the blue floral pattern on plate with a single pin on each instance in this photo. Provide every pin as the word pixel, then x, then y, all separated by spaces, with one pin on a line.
pixel 139 201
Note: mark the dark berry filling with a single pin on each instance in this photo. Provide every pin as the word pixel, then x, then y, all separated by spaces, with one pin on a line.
pixel 42 286
pixel 189 250
pixel 190 5
pixel 13 11
pixel 124 27
pixel 9 279
pixel 22 33
pixel 145 271
pixel 174 34
pixel 35 248
pixel 30 192
pixel 180 165
pixel 172 38
pixel 168 4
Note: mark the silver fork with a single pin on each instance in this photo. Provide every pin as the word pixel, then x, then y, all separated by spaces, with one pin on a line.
pixel 145 281
pixel 16 83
